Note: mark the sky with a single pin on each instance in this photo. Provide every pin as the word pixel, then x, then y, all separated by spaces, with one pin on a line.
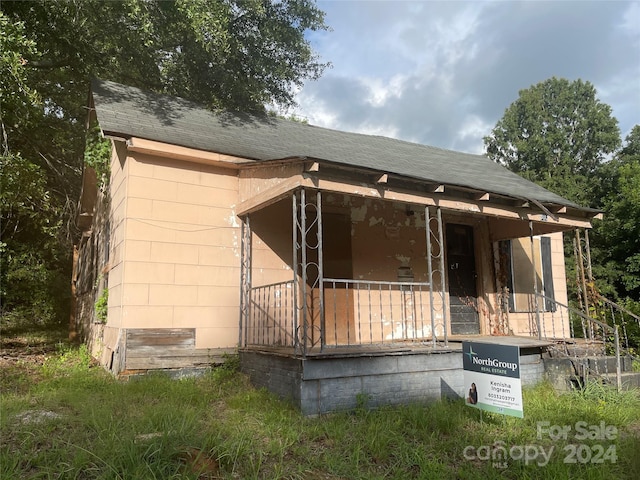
pixel 443 73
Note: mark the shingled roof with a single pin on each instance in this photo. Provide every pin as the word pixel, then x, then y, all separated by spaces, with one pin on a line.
pixel 126 112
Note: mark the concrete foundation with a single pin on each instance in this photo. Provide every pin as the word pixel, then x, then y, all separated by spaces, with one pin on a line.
pixel 325 384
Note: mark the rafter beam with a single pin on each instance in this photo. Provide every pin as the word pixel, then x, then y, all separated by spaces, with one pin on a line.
pixel 384 178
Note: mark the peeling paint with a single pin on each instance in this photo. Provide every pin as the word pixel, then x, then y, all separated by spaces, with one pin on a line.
pixel 419 221
pixel 403 260
pixel 392 232
pixel 233 219
pixel 358 214
pixel 373 221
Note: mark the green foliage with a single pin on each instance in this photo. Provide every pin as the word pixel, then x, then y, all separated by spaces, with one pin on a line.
pixel 234 54
pixel 97 155
pixel 101 306
pixel 75 420
pixel 557 133
pixel 616 238
pixel 29 287
pixel 68 362
pixel 16 95
pixel 223 53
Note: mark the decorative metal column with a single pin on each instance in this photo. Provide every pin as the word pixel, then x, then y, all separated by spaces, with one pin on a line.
pixel 535 283
pixel 435 250
pixel 245 280
pixel 308 278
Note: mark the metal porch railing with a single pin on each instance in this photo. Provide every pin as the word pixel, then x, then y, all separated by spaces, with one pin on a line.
pixel 594 346
pixel 353 313
pixel 360 312
pixel 611 313
pixel 271 318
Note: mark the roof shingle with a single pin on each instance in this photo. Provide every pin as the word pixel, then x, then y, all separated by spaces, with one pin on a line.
pixel 130 112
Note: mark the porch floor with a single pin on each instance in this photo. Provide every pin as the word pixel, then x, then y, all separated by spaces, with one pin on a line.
pixel 512 340
pixel 402 348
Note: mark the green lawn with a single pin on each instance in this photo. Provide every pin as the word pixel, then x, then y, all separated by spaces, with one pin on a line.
pixel 62 417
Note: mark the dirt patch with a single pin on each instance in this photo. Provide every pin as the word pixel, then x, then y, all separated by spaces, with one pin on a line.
pixel 200 463
pixel 632 430
pixel 30 417
pixel 22 356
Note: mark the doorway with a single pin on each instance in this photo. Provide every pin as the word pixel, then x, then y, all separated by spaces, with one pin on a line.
pixel 340 328
pixel 463 292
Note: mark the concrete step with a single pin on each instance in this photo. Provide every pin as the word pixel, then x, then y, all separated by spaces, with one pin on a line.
pixel 585 349
pixel 578 348
pixel 630 380
pixel 607 364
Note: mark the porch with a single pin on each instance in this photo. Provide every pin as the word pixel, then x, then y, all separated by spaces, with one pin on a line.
pixel 348 296
pixel 322 271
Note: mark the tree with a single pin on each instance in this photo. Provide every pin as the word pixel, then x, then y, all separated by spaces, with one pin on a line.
pixel 233 54
pixel 557 134
pixel 617 237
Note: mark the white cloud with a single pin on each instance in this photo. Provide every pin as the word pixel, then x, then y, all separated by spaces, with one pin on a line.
pixel 442 73
pixel 631 21
pixel 471 132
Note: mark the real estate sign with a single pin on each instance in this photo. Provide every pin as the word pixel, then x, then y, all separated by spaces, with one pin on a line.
pixel 492 377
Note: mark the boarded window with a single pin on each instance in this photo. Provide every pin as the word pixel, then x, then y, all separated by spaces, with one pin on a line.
pixel 521 261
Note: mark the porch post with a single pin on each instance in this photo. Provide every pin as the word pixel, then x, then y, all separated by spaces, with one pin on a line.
pixel 587 248
pixel 440 243
pixel 294 264
pixel 583 281
pixel 442 270
pixel 320 270
pixel 535 282
pixel 303 248
pixel 245 280
pixel 427 217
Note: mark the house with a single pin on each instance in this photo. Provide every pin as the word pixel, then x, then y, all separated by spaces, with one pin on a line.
pixel 336 263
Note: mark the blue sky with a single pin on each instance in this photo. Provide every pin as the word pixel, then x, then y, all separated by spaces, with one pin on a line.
pixel 443 73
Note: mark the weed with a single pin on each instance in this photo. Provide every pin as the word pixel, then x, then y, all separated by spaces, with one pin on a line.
pixel 218 426
pixel 68 361
pixel 231 362
pixel 101 306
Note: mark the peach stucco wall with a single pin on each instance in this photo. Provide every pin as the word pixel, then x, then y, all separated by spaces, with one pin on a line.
pixel 254 181
pixel 176 248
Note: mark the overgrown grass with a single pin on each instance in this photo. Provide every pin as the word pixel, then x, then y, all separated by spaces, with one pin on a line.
pixel 75 421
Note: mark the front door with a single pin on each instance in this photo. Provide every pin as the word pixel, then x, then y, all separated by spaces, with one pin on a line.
pixel 463 294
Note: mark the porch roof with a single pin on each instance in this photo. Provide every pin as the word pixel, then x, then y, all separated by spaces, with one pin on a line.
pixel 126 112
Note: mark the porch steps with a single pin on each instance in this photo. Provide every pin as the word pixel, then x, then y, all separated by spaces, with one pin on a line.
pixel 629 379
pixel 607 364
pixel 605 368
pixel 581 349
pixel 584 367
